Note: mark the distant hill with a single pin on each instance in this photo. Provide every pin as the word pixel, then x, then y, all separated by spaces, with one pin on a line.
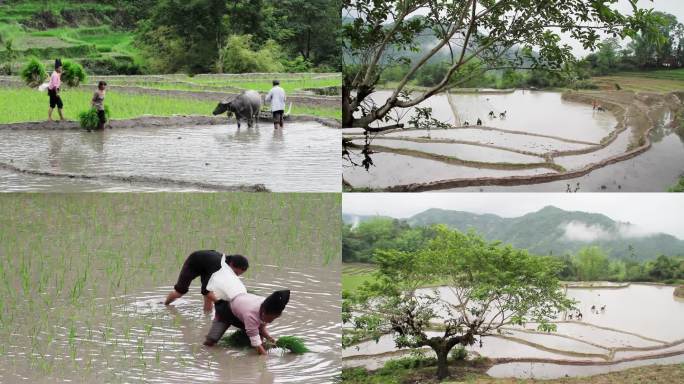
pixel 555 231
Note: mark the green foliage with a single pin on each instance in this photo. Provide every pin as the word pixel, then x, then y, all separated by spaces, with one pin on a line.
pixel 89 119
pixel 298 64
pixel 73 73
pixel 591 263
pixel 458 353
pixel 493 279
pixel 10 55
pixel 292 343
pixel 360 243
pixel 679 187
pixel 238 57
pixel 34 73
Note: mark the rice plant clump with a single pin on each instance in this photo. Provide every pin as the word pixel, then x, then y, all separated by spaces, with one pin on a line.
pixel 237 339
pixel 89 119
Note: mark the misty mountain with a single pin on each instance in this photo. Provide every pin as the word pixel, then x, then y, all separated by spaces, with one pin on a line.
pixel 554 231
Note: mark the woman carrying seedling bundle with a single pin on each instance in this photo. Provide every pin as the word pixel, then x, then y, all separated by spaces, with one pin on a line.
pixel 53 91
pixel 250 313
pixel 218 273
pixel 98 103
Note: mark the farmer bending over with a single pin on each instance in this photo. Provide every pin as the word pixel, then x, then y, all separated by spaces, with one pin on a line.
pixel 98 103
pixel 212 267
pixel 53 91
pixel 250 313
pixel 276 96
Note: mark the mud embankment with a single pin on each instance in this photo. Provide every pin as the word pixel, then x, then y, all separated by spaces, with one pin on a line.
pixel 137 179
pixel 160 121
pixel 637 111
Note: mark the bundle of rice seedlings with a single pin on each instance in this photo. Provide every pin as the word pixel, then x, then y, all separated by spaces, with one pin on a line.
pixel 89 119
pixel 292 343
pixel 237 339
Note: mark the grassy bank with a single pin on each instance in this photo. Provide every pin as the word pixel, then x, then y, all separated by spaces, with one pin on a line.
pixel 655 374
pixel 661 81
pixel 24 104
pixel 354 275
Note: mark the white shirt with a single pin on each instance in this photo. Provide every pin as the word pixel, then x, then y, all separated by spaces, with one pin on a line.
pixel 225 284
pixel 276 96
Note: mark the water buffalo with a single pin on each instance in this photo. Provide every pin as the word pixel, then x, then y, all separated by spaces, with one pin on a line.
pixel 246 105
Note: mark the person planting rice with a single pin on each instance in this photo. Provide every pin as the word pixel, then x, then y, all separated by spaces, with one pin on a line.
pixel 218 273
pixel 53 91
pixel 250 313
pixel 276 96
pixel 98 103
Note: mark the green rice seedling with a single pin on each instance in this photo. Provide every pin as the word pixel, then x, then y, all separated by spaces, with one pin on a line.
pixel 237 339
pixel 292 343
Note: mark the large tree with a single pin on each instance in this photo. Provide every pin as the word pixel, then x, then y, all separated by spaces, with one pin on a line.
pixel 477 36
pixel 487 286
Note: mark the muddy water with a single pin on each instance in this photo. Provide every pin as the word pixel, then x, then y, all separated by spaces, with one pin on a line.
pixel 305 156
pixel 652 171
pixel 529 143
pixel 144 341
pixel 393 169
pixel 640 319
pixel 460 151
pixel 527 111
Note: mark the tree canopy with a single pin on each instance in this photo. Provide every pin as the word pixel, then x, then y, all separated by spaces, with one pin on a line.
pixel 486 287
pixel 477 35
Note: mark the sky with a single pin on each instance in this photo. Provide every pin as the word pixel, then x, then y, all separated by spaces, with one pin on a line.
pixel 652 212
pixel 674 7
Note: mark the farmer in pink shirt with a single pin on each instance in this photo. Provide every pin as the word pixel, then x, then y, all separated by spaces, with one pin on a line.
pixel 53 91
pixel 250 313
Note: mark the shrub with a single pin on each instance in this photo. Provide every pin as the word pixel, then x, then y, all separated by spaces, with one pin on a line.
pixel 678 187
pixel 89 119
pixel 299 64
pixel 72 73
pixel 458 353
pixel 238 57
pixel 34 73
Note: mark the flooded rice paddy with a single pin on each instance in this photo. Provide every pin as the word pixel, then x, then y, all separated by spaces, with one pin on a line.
pixel 81 292
pixel 281 160
pixel 539 127
pixel 640 325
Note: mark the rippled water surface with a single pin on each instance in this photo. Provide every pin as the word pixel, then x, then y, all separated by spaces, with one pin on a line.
pixel 143 340
pixel 302 157
pixel 527 111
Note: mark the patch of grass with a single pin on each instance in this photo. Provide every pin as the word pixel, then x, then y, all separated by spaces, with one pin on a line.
pixel 354 275
pixel 679 187
pixel 655 374
pixel 660 81
pixel 24 104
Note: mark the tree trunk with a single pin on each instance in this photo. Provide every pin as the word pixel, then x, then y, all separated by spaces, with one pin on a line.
pixel 347 113
pixel 442 367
